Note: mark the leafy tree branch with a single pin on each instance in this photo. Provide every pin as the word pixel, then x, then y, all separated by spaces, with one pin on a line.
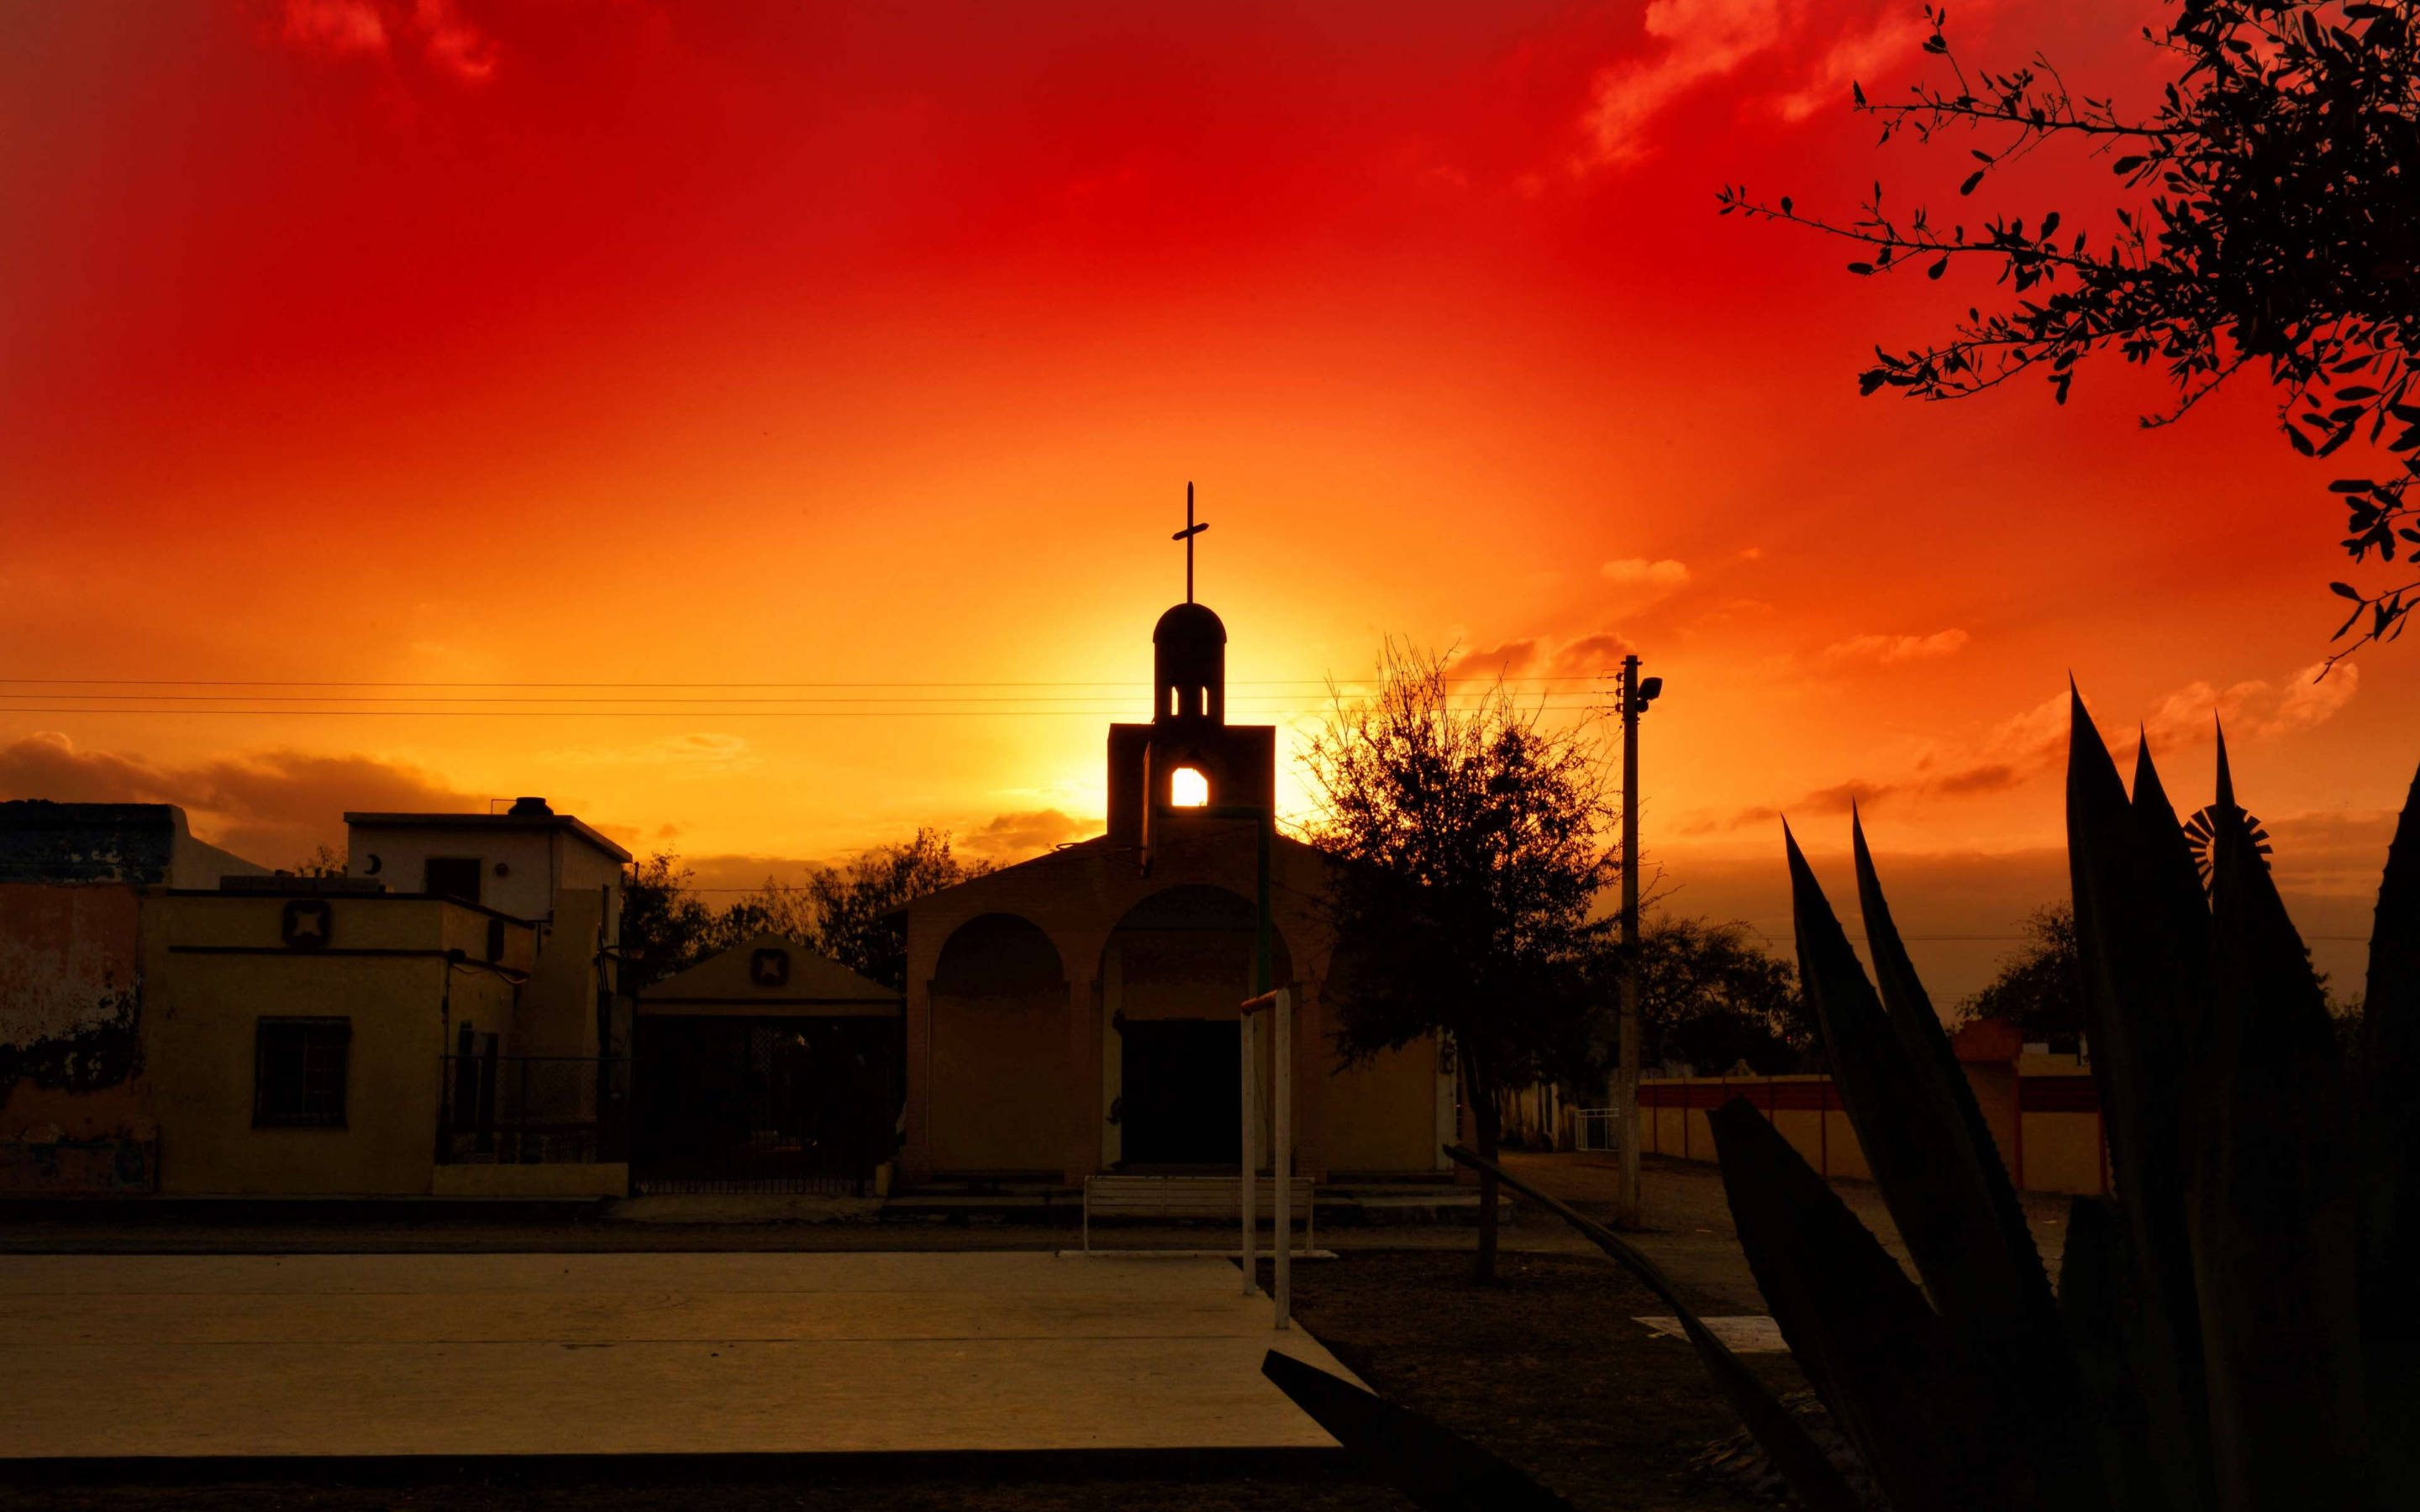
pixel 2281 229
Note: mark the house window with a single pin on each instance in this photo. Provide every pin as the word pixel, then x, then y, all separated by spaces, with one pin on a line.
pixel 452 876
pixel 1187 788
pixel 298 1077
pixel 495 939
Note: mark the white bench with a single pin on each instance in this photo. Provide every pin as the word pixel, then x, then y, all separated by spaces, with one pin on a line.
pixel 1192 1198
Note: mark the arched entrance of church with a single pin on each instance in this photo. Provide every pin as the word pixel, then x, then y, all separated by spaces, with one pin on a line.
pixel 1172 972
pixel 996 1060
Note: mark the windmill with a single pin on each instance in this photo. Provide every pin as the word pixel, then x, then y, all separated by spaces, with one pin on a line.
pixel 2202 830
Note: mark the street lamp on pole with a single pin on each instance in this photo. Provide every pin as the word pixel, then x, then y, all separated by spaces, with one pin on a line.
pixel 1635 695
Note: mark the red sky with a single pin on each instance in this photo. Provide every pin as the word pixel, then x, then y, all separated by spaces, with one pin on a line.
pixel 419 341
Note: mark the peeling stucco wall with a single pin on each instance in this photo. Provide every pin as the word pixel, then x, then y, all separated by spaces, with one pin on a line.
pixel 70 988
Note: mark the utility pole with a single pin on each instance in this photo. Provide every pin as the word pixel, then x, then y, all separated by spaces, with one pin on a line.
pixel 1636 696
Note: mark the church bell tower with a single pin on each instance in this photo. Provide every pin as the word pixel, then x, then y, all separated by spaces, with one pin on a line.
pixel 1188 758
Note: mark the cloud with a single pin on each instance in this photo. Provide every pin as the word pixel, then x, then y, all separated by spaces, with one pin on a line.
pixel 2256 710
pixel 1861 55
pixel 1692 43
pixel 1589 654
pixel 1702 40
pixel 353 29
pixel 1016 836
pixel 1887 649
pixel 336 26
pixel 1539 656
pixel 2031 744
pixel 455 45
pixel 1508 660
pixel 270 807
pixel 2309 701
pixel 695 754
pixel 1666 573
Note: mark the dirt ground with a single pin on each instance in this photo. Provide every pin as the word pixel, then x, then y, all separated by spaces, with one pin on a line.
pixel 1545 1367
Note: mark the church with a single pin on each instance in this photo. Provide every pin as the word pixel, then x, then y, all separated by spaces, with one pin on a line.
pixel 1078 1013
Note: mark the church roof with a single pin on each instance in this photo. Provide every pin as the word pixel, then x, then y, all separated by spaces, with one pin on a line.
pixel 1010 880
pixel 801 976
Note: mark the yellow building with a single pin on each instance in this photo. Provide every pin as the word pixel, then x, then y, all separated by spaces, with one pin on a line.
pixel 270 1034
pixel 295 1041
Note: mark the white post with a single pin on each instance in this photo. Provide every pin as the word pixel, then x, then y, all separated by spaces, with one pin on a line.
pixel 1282 1158
pixel 1250 1157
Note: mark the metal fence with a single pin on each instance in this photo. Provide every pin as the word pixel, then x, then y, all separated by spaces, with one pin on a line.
pixel 521 1110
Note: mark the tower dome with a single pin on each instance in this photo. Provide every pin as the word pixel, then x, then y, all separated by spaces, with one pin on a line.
pixel 1189 666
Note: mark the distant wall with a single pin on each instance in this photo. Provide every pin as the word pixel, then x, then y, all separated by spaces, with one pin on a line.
pixel 1381 1116
pixel 2044 1112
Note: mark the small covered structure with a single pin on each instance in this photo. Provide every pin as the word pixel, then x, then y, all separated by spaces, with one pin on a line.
pixel 768 1067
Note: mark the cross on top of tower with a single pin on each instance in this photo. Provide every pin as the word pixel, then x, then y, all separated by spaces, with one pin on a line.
pixel 1187 535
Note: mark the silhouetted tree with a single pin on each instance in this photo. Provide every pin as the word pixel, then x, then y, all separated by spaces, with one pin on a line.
pixel 1465 841
pixel 857 908
pixel 323 861
pixel 2037 989
pixel 1708 994
pixel 849 913
pixel 665 927
pixel 2282 231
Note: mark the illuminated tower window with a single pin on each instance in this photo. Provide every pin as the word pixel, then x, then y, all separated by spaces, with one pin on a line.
pixel 1187 788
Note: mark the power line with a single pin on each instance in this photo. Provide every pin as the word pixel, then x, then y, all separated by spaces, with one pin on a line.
pixel 1106 701
pixel 1124 682
pixel 686 711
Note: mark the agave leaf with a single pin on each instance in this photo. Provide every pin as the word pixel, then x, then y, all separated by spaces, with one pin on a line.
pixel 1433 1466
pixel 1807 1470
pixel 1997 1297
pixel 2142 942
pixel 2002 1284
pixel 1904 1117
pixel 2099 1292
pixel 2390 1137
pixel 2275 1246
pixel 1926 1415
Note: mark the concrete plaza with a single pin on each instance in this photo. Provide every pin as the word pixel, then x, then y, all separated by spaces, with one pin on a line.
pixel 471 1355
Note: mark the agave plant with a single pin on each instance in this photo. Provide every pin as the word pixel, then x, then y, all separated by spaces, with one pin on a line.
pixel 2238 1327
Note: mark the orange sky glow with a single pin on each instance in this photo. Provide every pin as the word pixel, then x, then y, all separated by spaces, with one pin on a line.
pixel 477 353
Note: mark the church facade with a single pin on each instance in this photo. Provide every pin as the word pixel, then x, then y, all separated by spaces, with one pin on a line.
pixel 1078 1013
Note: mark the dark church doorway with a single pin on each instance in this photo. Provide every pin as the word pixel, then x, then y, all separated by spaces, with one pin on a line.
pixel 1181 1103
pixel 762 1104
